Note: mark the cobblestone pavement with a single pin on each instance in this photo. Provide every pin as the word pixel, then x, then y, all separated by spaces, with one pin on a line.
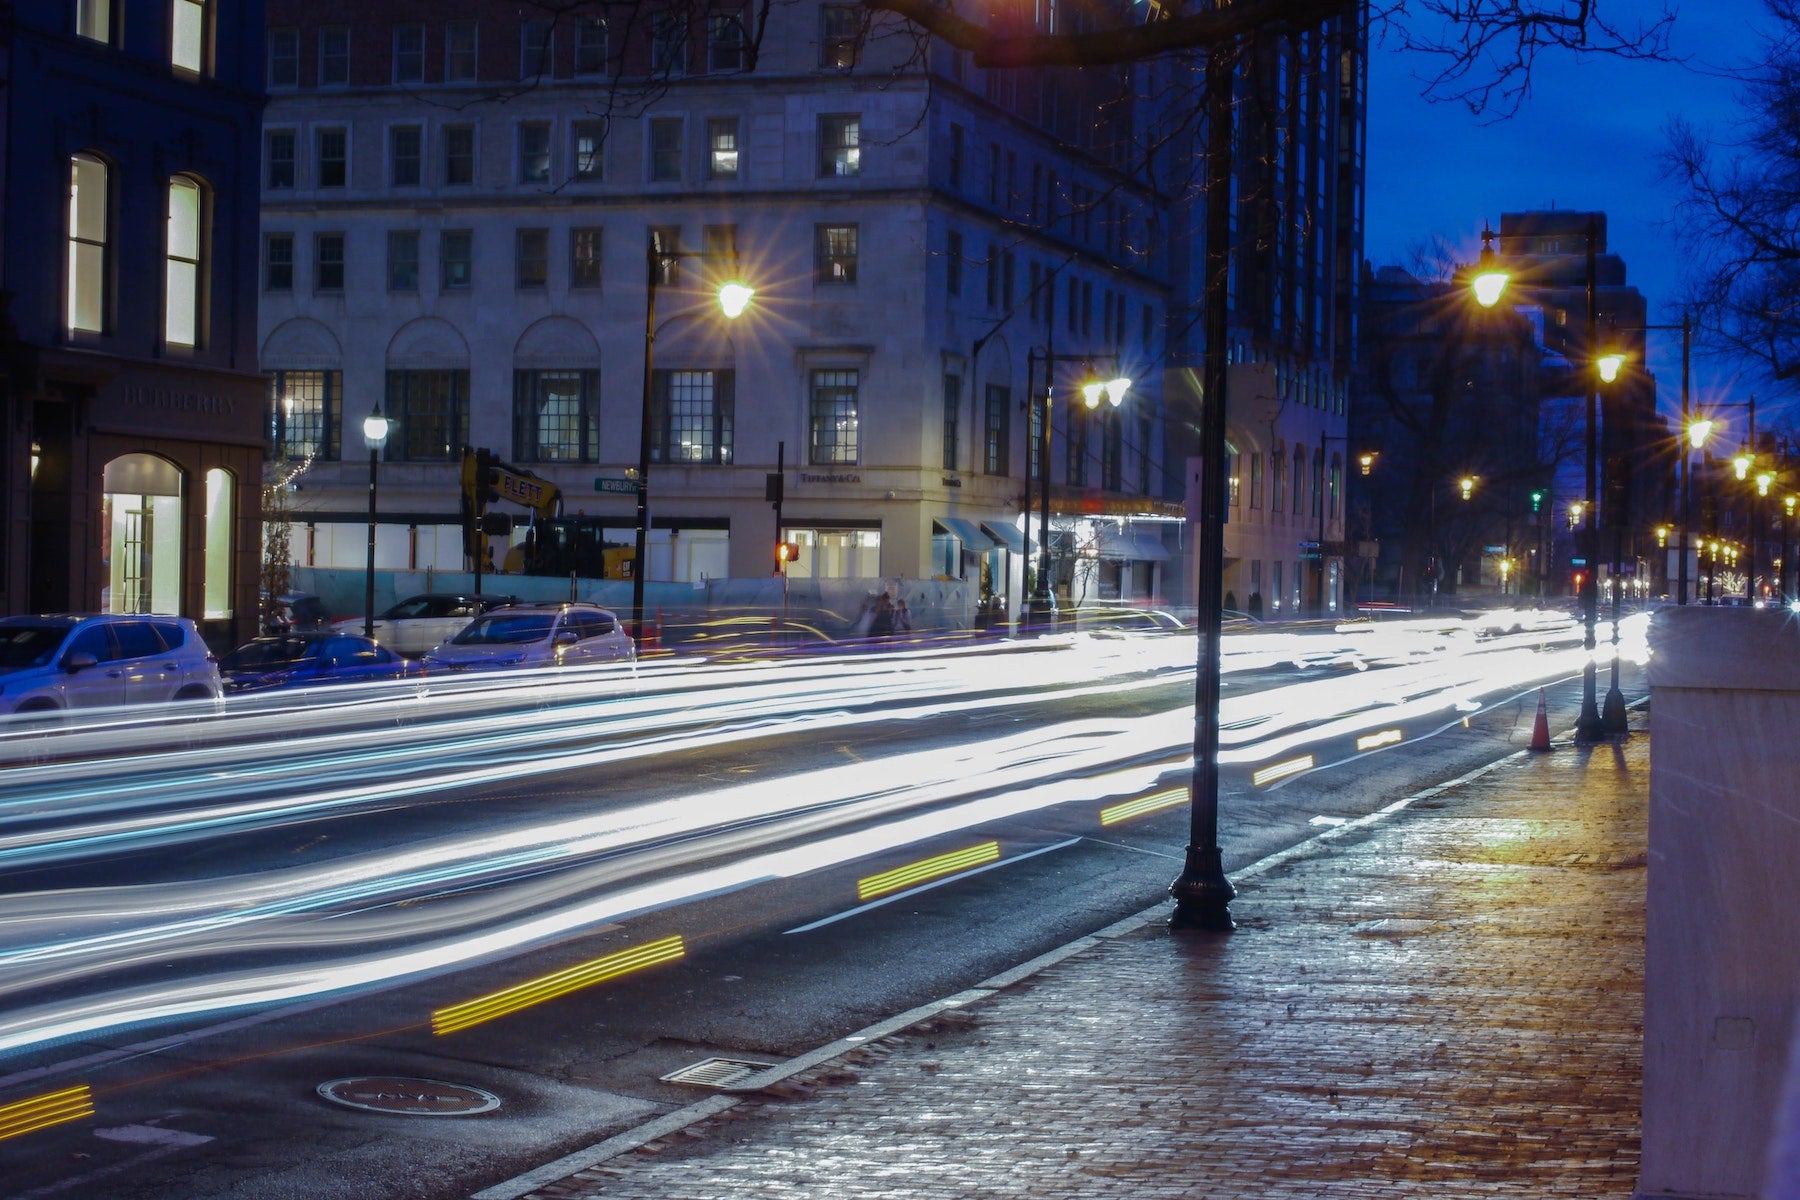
pixel 1444 1003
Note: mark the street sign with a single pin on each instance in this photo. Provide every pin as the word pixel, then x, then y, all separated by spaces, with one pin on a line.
pixel 1578 562
pixel 603 483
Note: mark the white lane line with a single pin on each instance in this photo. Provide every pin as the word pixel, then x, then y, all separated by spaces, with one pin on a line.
pixel 863 908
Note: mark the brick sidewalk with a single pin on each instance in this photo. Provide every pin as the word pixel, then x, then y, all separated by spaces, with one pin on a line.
pixel 1444 1003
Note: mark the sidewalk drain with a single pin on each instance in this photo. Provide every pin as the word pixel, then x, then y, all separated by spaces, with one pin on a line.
pixel 409 1097
pixel 716 1072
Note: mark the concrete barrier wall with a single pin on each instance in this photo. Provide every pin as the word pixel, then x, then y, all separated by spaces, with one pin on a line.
pixel 1722 953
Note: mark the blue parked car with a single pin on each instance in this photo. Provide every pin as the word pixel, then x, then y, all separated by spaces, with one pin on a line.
pixel 290 661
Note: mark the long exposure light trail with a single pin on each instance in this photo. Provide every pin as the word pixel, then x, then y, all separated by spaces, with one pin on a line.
pixel 74 961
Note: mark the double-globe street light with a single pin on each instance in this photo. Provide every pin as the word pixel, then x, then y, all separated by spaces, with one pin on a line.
pixel 1489 282
pixel 1041 614
pixel 733 298
pixel 375 432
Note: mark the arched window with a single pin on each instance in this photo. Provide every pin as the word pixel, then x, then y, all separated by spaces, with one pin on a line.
pixel 90 237
pixel 142 514
pixel 181 322
pixel 187 35
pixel 220 496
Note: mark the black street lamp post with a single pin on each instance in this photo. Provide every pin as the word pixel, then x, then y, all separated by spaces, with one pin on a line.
pixel 1489 282
pixel 375 432
pixel 733 297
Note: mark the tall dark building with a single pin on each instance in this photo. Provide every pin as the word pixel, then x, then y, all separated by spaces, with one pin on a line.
pixel 131 439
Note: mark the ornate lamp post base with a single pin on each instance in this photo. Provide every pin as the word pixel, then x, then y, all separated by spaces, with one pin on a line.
pixel 1202 893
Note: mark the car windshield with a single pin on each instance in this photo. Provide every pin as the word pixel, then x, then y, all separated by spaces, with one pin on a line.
pixel 406 610
pixel 506 629
pixel 30 645
pixel 260 656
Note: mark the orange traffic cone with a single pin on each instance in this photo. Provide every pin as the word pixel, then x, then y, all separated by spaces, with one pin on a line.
pixel 1540 732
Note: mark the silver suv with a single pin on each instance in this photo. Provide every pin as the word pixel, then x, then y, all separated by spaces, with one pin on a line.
pixel 67 660
pixel 536 635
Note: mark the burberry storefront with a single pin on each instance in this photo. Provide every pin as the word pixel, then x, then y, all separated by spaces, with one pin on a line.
pixel 143 492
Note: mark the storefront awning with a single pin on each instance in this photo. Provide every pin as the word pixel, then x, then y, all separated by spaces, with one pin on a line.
pixel 970 533
pixel 1009 537
pixel 1129 544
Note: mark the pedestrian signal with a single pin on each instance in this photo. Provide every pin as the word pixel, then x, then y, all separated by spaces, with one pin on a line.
pixel 785 553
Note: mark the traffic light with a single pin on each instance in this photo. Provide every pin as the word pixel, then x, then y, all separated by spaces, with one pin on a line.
pixel 1537 501
pixel 785 553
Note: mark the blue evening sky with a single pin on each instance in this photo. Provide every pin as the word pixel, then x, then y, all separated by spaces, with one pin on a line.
pixel 1589 136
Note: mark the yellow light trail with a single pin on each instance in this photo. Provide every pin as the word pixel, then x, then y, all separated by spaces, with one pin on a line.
pixel 41 1112
pixel 557 983
pixel 1113 814
pixel 1282 770
pixel 943 864
pixel 1373 741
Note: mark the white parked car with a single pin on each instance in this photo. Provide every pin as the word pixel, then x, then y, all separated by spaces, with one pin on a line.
pixel 68 660
pixel 536 635
pixel 418 623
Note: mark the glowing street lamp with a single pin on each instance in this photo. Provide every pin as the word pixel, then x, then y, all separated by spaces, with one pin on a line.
pixel 375 433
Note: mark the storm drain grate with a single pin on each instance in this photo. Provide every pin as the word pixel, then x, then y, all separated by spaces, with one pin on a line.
pixel 717 1072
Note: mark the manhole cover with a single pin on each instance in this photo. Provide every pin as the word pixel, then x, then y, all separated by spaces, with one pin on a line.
pixel 717 1072
pixel 409 1097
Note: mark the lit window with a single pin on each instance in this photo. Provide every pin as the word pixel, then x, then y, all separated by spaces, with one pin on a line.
pixel 187 39
pixel 840 146
pixel 93 19
pixel 840 36
pixel 691 417
pixel 303 414
pixel 722 147
pixel 181 322
pixel 590 150
pixel 834 418
pixel 90 233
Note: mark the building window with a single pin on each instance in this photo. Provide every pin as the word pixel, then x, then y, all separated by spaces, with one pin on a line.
pixel 833 418
pixel 952 420
pixel 1034 288
pixel 589 150
pixel 459 52
pixel 691 417
pixel 332 154
pixel 187 35
pixel 1277 480
pixel 303 414
pixel 1256 481
pixel 590 46
pixel 279 151
pixel 1076 455
pixel 456 260
pixel 1007 273
pixel 840 148
pixel 459 154
pixel 665 241
pixel 328 262
pixel 406 149
pixel 284 56
pixel 90 243
pixel 531 259
pixel 722 147
pixel 840 36
pixel 834 254
pixel 1318 485
pixel 584 258
pixel 556 416
pixel 278 262
pixel 956 157
pixel 535 48
pixel 1299 482
pixel 719 244
pixel 953 256
pixel 93 19
pixel 403 260
pixel 724 44
pixel 534 152
pixel 668 44
pixel 665 149
pixel 431 411
pixel 409 54
pixel 183 277
pixel 334 56
pixel 1112 451
pixel 1143 461
pixel 1034 442
pixel 996 429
